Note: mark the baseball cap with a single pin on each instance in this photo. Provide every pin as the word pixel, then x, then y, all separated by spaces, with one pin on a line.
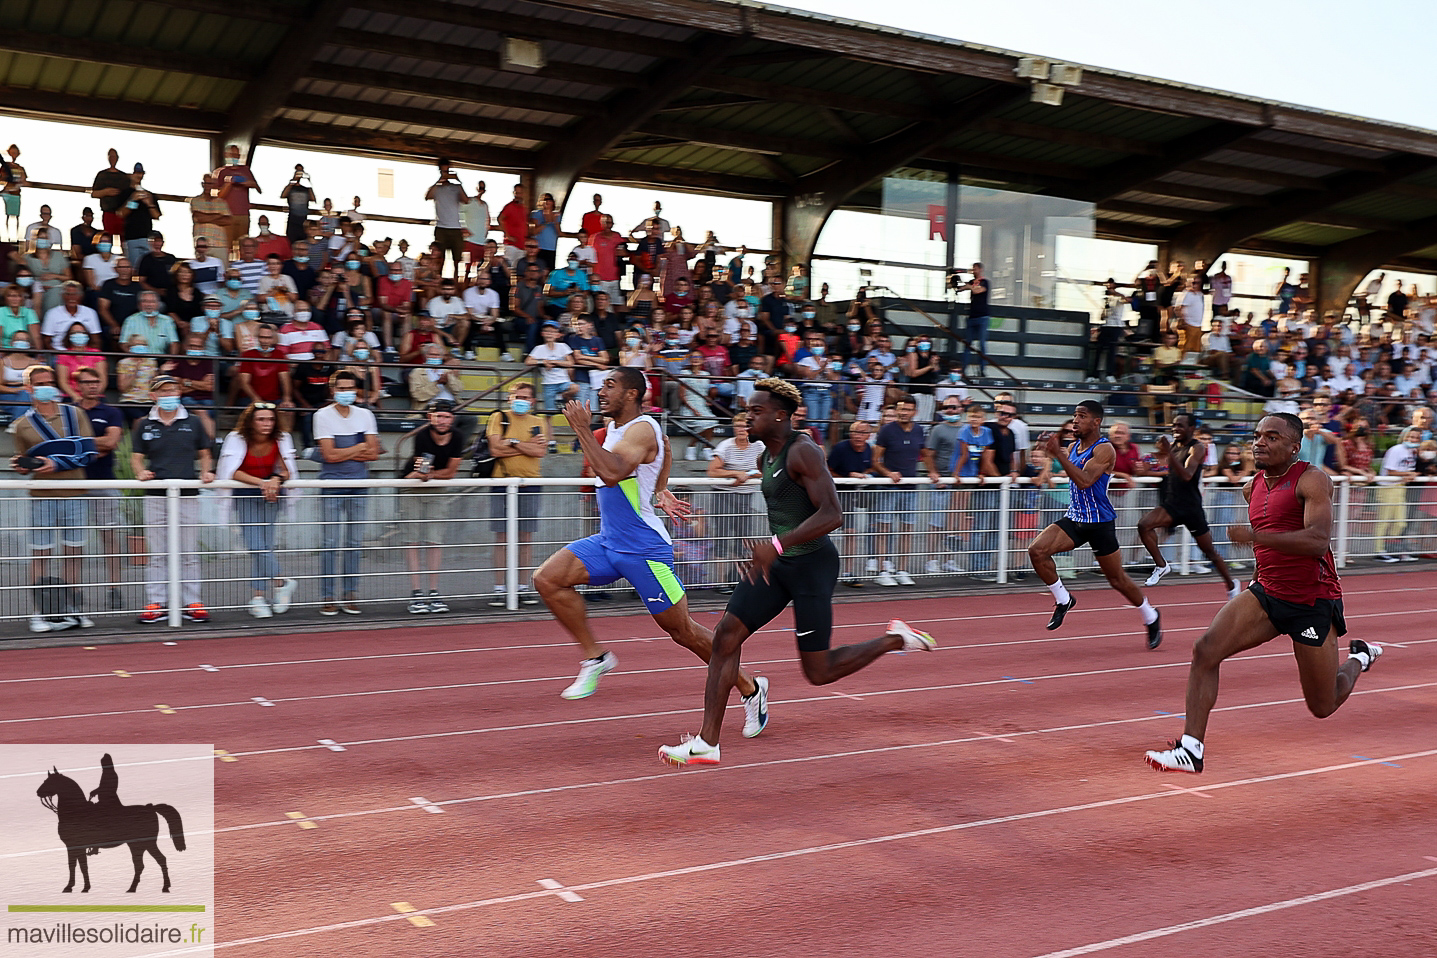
pixel 160 381
pixel 440 405
pixel 552 322
pixel 139 167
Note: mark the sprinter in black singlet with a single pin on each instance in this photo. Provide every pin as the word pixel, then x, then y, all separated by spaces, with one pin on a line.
pixel 1180 502
pixel 798 565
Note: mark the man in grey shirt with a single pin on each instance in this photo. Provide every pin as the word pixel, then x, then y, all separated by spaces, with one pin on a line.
pixel 938 452
pixel 448 197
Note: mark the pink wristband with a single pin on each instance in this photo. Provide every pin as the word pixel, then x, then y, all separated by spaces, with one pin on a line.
pixel 777 546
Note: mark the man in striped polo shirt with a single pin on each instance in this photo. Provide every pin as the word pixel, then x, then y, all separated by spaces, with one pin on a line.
pixel 1088 463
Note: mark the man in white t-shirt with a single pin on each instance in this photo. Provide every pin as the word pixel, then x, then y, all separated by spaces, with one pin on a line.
pixel 481 303
pixel 475 221
pixel 348 439
pixel 450 314
pixel 1399 466
pixel 449 198
pixel 1189 305
pixel 1371 294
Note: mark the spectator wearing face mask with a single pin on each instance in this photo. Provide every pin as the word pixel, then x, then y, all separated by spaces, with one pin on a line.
pixel 438 378
pixel 519 440
pixel 298 337
pixel 154 327
pixel 167 443
pixel 921 367
pixel 449 312
pixel 80 353
pixel 564 282
pixel 819 372
pixel 260 455
pixel 348 439
pixel 1399 467
pixel 55 327
pixel 264 375
pixel 427 512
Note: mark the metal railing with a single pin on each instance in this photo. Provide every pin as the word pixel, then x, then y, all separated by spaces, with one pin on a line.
pixel 478 541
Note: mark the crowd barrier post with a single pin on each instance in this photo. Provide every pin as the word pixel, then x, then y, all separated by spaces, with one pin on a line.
pixel 1005 523
pixel 1344 511
pixel 173 559
pixel 511 546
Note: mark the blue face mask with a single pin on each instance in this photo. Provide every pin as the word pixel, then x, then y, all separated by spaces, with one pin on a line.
pixel 434 361
pixel 346 397
pixel 25 281
pixel 42 244
pixel 250 314
pixel 233 283
pixel 360 354
pixel 301 259
pixel 45 393
pixel 168 403
pixel 818 350
pixel 104 247
pixel 952 417
pixel 351 264
pixel 194 352
pixel 924 347
pixel 79 339
pixel 132 205
pixel 521 407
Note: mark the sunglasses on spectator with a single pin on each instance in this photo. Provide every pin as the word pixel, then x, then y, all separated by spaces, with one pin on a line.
pixel 264 405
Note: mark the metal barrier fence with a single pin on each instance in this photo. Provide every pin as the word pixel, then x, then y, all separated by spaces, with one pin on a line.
pixel 370 544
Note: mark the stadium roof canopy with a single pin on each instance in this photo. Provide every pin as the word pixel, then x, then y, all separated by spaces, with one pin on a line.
pixel 740 98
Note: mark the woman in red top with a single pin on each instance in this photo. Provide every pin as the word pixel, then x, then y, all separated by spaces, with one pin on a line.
pixel 259 455
pixel 1296 592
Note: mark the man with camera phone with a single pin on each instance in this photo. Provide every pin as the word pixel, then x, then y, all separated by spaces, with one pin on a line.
pixel 59 443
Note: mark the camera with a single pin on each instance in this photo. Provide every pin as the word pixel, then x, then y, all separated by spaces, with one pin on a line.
pixel 955 279
pixel 29 463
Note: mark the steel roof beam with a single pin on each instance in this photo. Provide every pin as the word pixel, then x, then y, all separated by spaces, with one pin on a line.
pixel 451 90
pixel 615 171
pixel 1206 241
pixel 441 119
pixel 1069 137
pixel 263 96
pixel 560 165
pixel 120 54
pixel 1342 266
pixel 426 51
pixel 1125 175
pixel 90 110
pixel 358 140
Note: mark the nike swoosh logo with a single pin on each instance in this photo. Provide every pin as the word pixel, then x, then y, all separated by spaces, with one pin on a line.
pixel 809 632
pixel 777 473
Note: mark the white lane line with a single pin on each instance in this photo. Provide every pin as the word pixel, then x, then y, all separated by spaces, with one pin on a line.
pixel 856 698
pixel 774 631
pixel 843 846
pixel 428 806
pixel 331 744
pixel 996 738
pixel 671 776
pixel 558 887
pixel 1188 791
pixel 1005 680
pixel 261 700
pixel 1237 915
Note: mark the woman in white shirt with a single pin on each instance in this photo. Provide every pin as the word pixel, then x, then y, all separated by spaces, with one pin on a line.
pixel 734 507
pixel 277 292
pixel 100 266
pixel 694 399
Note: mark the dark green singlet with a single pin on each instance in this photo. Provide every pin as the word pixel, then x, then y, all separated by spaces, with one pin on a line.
pixel 787 501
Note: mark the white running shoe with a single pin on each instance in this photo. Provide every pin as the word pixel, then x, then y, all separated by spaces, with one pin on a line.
pixel 691 751
pixel 933 567
pixel 39 624
pixel 1372 650
pixel 903 578
pixel 691 454
pixel 1176 758
pixel 755 709
pixel 590 671
pixel 1235 591
pixel 885 580
pixel 872 567
pixel 284 596
pixel 913 640
pixel 1201 568
pixel 1158 573
pixel 259 608
pixel 1407 557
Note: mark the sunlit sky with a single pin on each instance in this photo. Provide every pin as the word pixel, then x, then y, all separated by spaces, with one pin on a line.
pixel 1327 54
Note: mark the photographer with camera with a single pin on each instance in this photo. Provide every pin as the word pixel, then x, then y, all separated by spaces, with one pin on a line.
pixel 977 289
pixel 448 197
pixel 59 443
pixel 299 194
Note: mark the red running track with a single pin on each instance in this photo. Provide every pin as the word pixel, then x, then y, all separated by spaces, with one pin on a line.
pixel 988 800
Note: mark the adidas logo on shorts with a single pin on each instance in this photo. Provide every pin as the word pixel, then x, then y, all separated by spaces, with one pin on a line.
pixel 1309 633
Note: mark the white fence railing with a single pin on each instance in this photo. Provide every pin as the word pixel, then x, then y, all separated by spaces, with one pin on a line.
pixel 116 550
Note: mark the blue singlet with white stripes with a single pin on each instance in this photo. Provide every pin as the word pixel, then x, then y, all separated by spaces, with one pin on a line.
pixel 1090 504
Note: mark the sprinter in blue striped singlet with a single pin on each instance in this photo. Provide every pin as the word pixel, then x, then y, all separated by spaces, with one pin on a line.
pixel 1091 519
pixel 633 467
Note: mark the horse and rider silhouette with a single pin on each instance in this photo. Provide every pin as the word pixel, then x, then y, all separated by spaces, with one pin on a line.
pixel 87 826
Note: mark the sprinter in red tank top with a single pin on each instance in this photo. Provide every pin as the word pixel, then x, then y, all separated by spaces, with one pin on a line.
pixel 1295 592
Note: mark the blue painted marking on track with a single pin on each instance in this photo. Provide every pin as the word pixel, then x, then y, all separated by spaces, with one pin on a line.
pixel 1364 758
pixel 1160 712
pixel 1024 681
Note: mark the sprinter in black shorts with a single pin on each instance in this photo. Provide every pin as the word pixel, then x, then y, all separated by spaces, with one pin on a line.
pixel 799 565
pixel 1180 502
